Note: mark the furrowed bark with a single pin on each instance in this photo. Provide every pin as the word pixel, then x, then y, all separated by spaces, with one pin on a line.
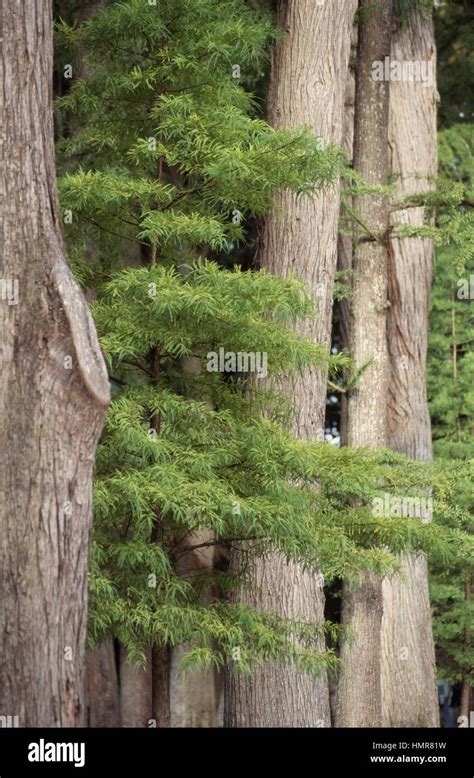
pixel 193 692
pixel 359 701
pixel 135 692
pixel 53 397
pixel 307 86
pixel 102 688
pixel 408 658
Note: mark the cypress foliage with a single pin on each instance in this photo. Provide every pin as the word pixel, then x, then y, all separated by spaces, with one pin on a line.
pixel 165 163
pixel 451 393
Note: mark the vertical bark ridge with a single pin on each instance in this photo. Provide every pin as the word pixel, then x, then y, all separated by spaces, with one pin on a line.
pixel 53 396
pixel 359 702
pixel 408 658
pixel 307 86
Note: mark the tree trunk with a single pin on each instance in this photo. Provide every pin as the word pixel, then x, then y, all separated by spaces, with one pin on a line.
pixel 102 689
pixel 359 692
pixel 408 659
pixel 160 687
pixel 193 692
pixel 53 396
pixel 135 692
pixel 345 242
pixel 307 86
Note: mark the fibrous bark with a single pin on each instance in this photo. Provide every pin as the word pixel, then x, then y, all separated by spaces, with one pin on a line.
pixel 359 701
pixel 408 658
pixel 102 688
pixel 193 692
pixel 307 86
pixel 135 692
pixel 53 396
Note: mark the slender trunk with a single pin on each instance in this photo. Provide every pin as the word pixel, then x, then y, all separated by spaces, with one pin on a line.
pixel 307 87
pixel 53 396
pixel 160 692
pixel 408 657
pixel 160 654
pixel 359 693
pixel 344 241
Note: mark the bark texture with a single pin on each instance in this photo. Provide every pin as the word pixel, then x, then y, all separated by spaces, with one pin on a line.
pixel 102 690
pixel 193 692
pixel 53 397
pixel 160 685
pixel 135 692
pixel 408 657
pixel 193 696
pixel 359 701
pixel 307 86
pixel 345 242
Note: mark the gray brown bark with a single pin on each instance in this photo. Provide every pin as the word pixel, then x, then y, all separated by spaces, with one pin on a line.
pixel 102 689
pixel 359 701
pixel 408 658
pixel 193 692
pixel 344 241
pixel 193 696
pixel 135 692
pixel 53 396
pixel 307 87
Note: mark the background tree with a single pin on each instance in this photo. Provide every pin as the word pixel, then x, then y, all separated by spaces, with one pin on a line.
pixel 450 382
pixel 359 691
pixel 408 661
pixel 307 87
pixel 455 42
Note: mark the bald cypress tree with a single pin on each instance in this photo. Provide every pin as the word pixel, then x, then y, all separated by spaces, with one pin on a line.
pixel 307 86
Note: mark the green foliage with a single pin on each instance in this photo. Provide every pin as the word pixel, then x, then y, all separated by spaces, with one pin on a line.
pixel 451 396
pixel 164 162
pixel 164 165
pixel 455 46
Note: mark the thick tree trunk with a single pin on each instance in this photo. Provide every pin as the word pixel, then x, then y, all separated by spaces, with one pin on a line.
pixel 408 657
pixel 307 87
pixel 193 695
pixel 359 694
pixel 102 689
pixel 135 692
pixel 193 692
pixel 53 396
